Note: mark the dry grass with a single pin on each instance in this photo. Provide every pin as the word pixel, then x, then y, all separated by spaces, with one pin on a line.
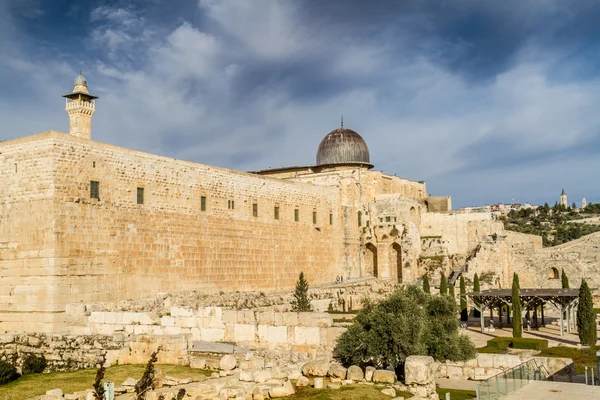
pixel 73 381
pixel 354 392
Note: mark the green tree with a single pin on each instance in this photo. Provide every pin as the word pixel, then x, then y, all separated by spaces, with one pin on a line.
pixel 426 287
pixel 443 284
pixel 476 288
pixel 451 292
pixel 409 322
pixel 464 312
pixel 564 279
pixel 300 302
pixel 516 307
pixel 586 318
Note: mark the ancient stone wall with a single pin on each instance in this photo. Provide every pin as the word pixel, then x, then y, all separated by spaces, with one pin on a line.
pixel 254 329
pixel 197 227
pixel 27 235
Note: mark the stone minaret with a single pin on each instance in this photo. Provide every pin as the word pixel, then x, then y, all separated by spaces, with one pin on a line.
pixel 563 199
pixel 80 107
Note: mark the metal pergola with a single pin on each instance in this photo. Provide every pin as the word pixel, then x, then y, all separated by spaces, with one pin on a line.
pixel 562 300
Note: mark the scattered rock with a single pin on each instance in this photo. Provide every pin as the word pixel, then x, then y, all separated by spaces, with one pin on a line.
pixel 318 383
pixel 337 371
pixel 418 370
pixel 54 392
pixel 355 373
pixel 257 394
pixel 71 396
pixel 369 373
pixel 316 368
pixel 129 382
pixel 389 392
pixel 198 363
pixel 262 376
pixel 302 381
pixel 282 391
pixel 215 375
pixel 228 362
pixel 334 386
pixel 384 376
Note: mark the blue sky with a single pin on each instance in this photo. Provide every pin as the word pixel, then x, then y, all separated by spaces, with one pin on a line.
pixel 485 100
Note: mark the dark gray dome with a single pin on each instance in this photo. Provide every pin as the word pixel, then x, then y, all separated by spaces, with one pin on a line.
pixel 343 146
pixel 80 80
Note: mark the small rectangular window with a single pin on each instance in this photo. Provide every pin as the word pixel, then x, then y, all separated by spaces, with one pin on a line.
pixel 368 223
pixel 314 217
pixel 276 212
pixel 359 218
pixel 388 219
pixel 140 195
pixel 230 204
pixel 255 210
pixel 202 203
pixel 296 215
pixel 95 190
pixel 330 219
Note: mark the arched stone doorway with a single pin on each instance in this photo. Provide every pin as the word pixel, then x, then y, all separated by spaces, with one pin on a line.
pixel 413 215
pixel 552 273
pixel 396 260
pixel 371 259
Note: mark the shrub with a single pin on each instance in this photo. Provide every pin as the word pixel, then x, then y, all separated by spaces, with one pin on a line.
pixel 500 344
pixel 410 322
pixel 34 364
pixel 8 373
pixel 300 302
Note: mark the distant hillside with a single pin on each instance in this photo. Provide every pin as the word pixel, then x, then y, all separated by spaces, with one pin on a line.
pixel 556 225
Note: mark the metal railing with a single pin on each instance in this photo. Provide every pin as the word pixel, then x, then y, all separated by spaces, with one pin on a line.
pixel 511 380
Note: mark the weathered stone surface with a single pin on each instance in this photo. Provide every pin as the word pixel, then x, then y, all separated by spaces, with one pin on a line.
pixel 384 376
pixel 257 394
pixel 419 370
pixel 198 363
pixel 54 392
pixel 333 386
pixel 389 392
pixel 337 371
pixel 369 373
pixel 282 391
pixel 318 383
pixel 355 373
pixel 316 368
pixel 228 362
pixel 129 382
pixel 302 381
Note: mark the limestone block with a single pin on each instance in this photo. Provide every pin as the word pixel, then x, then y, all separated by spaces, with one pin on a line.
pixel 257 394
pixel 505 361
pixel 262 333
pixel 230 317
pixel 167 321
pixel 244 333
pixel 453 372
pixel 228 362
pixel 294 375
pixel 265 317
pixel 212 334
pixel 369 373
pixel 172 330
pixel 141 329
pixel 246 376
pixel 54 392
pixel 75 310
pixel 181 312
pixel 420 370
pixel 145 319
pixel 321 320
pixel 196 335
pixel 130 318
pixel 129 382
pixel 355 373
pixel 332 335
pixel 384 376
pixel 246 317
pixel 318 383
pixel 186 322
pixel 337 371
pixel 96 317
pixel 113 318
pixel 316 368
pixel 302 382
pixel 290 319
pixel 277 334
pixel 485 360
pixel 262 376
pixel 389 392
pixel 282 391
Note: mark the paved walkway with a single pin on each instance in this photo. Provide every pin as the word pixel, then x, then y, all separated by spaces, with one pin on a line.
pixel 539 390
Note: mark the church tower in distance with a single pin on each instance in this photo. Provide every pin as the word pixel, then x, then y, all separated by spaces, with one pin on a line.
pixel 563 199
pixel 80 107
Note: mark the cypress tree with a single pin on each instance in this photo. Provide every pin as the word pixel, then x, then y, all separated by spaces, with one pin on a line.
pixel 586 318
pixel 476 288
pixel 443 284
pixel 516 307
pixel 300 302
pixel 426 288
pixel 451 292
pixel 464 312
pixel 564 279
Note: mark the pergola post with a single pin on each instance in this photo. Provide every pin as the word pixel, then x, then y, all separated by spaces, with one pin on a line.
pixel 481 317
pixel 543 320
pixel 568 319
pixel 561 320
